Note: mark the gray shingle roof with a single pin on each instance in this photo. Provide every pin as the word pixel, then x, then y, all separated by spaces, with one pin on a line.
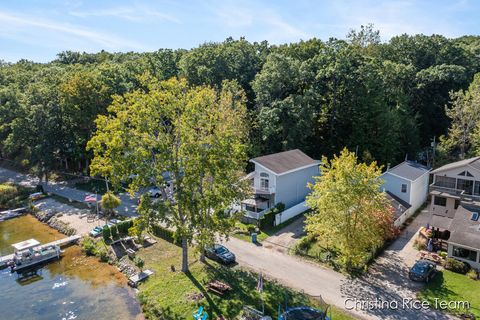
pixel 409 170
pixel 474 162
pixel 285 161
pixel 463 230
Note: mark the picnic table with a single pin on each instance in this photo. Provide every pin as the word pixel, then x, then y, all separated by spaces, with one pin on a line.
pixel 432 256
pixel 218 287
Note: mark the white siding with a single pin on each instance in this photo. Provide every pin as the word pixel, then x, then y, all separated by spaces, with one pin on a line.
pixel 393 184
pixel 291 188
pixel 419 192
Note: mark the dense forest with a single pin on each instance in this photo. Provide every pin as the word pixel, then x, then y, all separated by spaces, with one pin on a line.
pixel 384 100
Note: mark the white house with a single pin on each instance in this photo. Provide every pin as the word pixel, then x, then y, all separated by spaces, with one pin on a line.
pixel 455 209
pixel 280 177
pixel 406 185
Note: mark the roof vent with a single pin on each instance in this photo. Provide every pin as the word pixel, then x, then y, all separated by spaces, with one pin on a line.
pixel 474 216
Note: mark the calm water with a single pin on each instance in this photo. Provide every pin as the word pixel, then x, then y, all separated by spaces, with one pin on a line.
pixel 75 287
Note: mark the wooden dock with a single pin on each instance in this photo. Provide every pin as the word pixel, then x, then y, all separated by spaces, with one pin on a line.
pixel 61 242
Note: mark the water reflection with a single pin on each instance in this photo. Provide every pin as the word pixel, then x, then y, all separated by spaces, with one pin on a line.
pixel 74 287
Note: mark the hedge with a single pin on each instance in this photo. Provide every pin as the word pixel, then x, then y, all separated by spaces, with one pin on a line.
pixel 164 233
pixel 457 266
pixel 268 219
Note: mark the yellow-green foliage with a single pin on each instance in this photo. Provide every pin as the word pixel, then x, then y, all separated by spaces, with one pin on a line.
pixel 349 212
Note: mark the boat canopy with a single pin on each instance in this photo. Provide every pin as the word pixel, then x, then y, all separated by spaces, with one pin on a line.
pixel 25 245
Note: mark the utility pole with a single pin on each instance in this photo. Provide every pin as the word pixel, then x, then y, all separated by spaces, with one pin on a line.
pixel 433 144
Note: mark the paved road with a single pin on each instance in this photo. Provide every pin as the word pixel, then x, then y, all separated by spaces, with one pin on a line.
pixel 386 279
pixel 127 208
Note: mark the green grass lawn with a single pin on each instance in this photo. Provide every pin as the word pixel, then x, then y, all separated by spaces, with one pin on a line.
pixel 450 286
pixel 170 294
pixel 243 234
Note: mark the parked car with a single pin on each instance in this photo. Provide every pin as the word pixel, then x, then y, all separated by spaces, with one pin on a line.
pixel 96 231
pixel 113 221
pixel 155 192
pixel 422 270
pixel 219 253
pixel 35 196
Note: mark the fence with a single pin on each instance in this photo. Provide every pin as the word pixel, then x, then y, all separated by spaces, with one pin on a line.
pixel 290 213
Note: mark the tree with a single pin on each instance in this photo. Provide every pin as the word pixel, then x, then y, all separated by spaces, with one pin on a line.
pixel 350 213
pixel 139 263
pixel 464 113
pixel 109 202
pixel 195 135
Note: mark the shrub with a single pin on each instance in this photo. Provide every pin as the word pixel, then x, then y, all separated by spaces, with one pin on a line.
pixel 114 231
pixel 106 233
pixel 102 254
pixel 268 219
pixel 420 243
pixel 164 233
pixel 472 274
pixel 457 266
pixel 123 227
pixel 88 246
pixel 442 254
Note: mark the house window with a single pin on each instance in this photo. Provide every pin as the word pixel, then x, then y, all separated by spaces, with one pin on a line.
pixel 466 185
pixel 264 184
pixel 404 188
pixel 440 201
pixel 445 182
pixel 462 173
pixel 476 188
pixel 463 253
pixel 469 174
pixel 263 175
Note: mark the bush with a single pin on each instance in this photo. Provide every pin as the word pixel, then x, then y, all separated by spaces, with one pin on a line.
pixel 457 266
pixel 123 227
pixel 164 233
pixel 268 219
pixel 106 233
pixel 102 254
pixel 442 254
pixel 472 274
pixel 88 246
pixel 114 231
pixel 420 243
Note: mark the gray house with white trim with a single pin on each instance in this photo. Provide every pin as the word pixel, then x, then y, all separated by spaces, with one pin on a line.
pixel 280 177
pixel 406 185
pixel 455 208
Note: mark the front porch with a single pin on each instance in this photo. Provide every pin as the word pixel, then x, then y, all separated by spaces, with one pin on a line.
pixel 255 208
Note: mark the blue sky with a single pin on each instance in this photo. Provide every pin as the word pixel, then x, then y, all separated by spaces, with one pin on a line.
pixel 39 29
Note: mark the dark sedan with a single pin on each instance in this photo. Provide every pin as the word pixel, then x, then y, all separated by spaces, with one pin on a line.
pixel 220 253
pixel 422 270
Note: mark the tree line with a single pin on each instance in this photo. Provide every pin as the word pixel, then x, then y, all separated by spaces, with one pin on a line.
pixel 385 100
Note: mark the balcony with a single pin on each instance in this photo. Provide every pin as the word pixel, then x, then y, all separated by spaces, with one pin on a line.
pixel 255 215
pixel 440 190
pixel 264 191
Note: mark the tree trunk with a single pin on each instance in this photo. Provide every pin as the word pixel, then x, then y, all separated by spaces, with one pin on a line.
pixel 184 255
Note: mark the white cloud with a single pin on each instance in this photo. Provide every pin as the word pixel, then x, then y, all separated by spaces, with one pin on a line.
pixel 267 24
pixel 28 28
pixel 129 13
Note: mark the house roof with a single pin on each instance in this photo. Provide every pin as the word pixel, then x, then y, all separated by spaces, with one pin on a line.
pixel 463 230
pixel 473 162
pixel 409 170
pixel 398 204
pixel 27 244
pixel 286 161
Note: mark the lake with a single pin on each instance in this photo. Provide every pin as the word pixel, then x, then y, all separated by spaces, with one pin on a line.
pixel 74 287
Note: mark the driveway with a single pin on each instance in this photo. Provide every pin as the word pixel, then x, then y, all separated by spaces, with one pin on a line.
pixel 385 282
pixel 127 208
pixel 285 238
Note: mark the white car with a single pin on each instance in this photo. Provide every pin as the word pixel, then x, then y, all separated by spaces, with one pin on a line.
pixel 155 192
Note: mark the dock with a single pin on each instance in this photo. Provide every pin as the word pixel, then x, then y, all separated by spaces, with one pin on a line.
pixel 133 281
pixel 61 242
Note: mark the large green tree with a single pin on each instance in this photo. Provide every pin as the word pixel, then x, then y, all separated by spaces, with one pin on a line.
pixel 195 134
pixel 350 214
